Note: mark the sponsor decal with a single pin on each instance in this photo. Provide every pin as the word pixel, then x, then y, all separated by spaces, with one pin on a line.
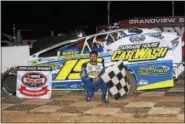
pixel 156 34
pixel 137 38
pixel 98 67
pixel 52 65
pixel 75 56
pixel 70 52
pixel 93 74
pixel 143 82
pixel 47 59
pixel 74 86
pixel 59 85
pixel 139 52
pixel 153 70
pixel 33 80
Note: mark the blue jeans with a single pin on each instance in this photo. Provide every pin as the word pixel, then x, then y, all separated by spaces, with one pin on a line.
pixel 92 87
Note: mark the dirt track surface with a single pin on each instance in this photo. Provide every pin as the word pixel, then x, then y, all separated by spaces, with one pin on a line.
pixel 165 105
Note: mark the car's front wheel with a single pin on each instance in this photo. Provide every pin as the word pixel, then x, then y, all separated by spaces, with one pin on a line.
pixel 9 78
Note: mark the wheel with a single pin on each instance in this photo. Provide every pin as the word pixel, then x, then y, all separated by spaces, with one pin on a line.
pixel 130 79
pixel 9 80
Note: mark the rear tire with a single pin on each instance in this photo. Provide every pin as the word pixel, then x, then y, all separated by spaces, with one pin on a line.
pixel 132 82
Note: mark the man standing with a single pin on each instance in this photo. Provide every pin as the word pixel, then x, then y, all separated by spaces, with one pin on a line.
pixel 91 72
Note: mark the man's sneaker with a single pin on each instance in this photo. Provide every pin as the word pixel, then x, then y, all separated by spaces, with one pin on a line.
pixel 105 101
pixel 88 99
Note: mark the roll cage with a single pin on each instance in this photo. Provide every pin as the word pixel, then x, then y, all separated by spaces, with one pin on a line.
pixel 109 37
pixel 93 40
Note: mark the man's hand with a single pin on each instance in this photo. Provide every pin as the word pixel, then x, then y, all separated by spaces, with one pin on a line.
pixel 96 78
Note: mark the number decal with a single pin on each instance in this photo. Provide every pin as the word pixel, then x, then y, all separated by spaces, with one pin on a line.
pixel 71 69
pixel 75 74
pixel 66 69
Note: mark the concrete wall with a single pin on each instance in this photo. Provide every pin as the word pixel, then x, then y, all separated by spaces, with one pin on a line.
pixel 14 56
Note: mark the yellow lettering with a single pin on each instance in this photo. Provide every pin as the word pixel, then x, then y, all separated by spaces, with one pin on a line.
pixel 140 53
pixel 70 53
pixel 155 52
pixel 129 55
pixel 123 56
pixel 148 54
pixel 162 52
pixel 143 54
pixel 116 55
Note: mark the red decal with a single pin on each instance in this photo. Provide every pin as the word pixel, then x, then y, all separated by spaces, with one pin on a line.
pixel 28 92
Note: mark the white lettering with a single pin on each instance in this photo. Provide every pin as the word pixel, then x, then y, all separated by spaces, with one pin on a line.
pixel 164 20
pixel 181 20
pixel 157 20
pixel 171 20
pixel 130 21
pixel 145 21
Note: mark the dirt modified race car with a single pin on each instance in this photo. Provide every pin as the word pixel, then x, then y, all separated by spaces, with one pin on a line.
pixel 152 58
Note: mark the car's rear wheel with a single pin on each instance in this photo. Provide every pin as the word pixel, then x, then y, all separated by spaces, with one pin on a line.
pixel 131 84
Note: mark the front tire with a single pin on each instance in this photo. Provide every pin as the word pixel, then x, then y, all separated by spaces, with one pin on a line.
pixel 9 79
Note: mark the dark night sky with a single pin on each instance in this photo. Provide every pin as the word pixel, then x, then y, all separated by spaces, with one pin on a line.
pixel 66 15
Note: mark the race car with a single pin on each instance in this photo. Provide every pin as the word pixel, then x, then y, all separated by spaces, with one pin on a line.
pixel 153 59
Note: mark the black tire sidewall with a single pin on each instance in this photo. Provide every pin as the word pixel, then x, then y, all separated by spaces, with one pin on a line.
pixel 132 81
pixel 5 84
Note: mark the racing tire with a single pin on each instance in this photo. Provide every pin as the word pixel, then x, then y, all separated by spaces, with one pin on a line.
pixel 132 82
pixel 9 79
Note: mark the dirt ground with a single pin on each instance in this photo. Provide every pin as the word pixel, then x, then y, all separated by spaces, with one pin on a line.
pixel 165 105
pixel 20 117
